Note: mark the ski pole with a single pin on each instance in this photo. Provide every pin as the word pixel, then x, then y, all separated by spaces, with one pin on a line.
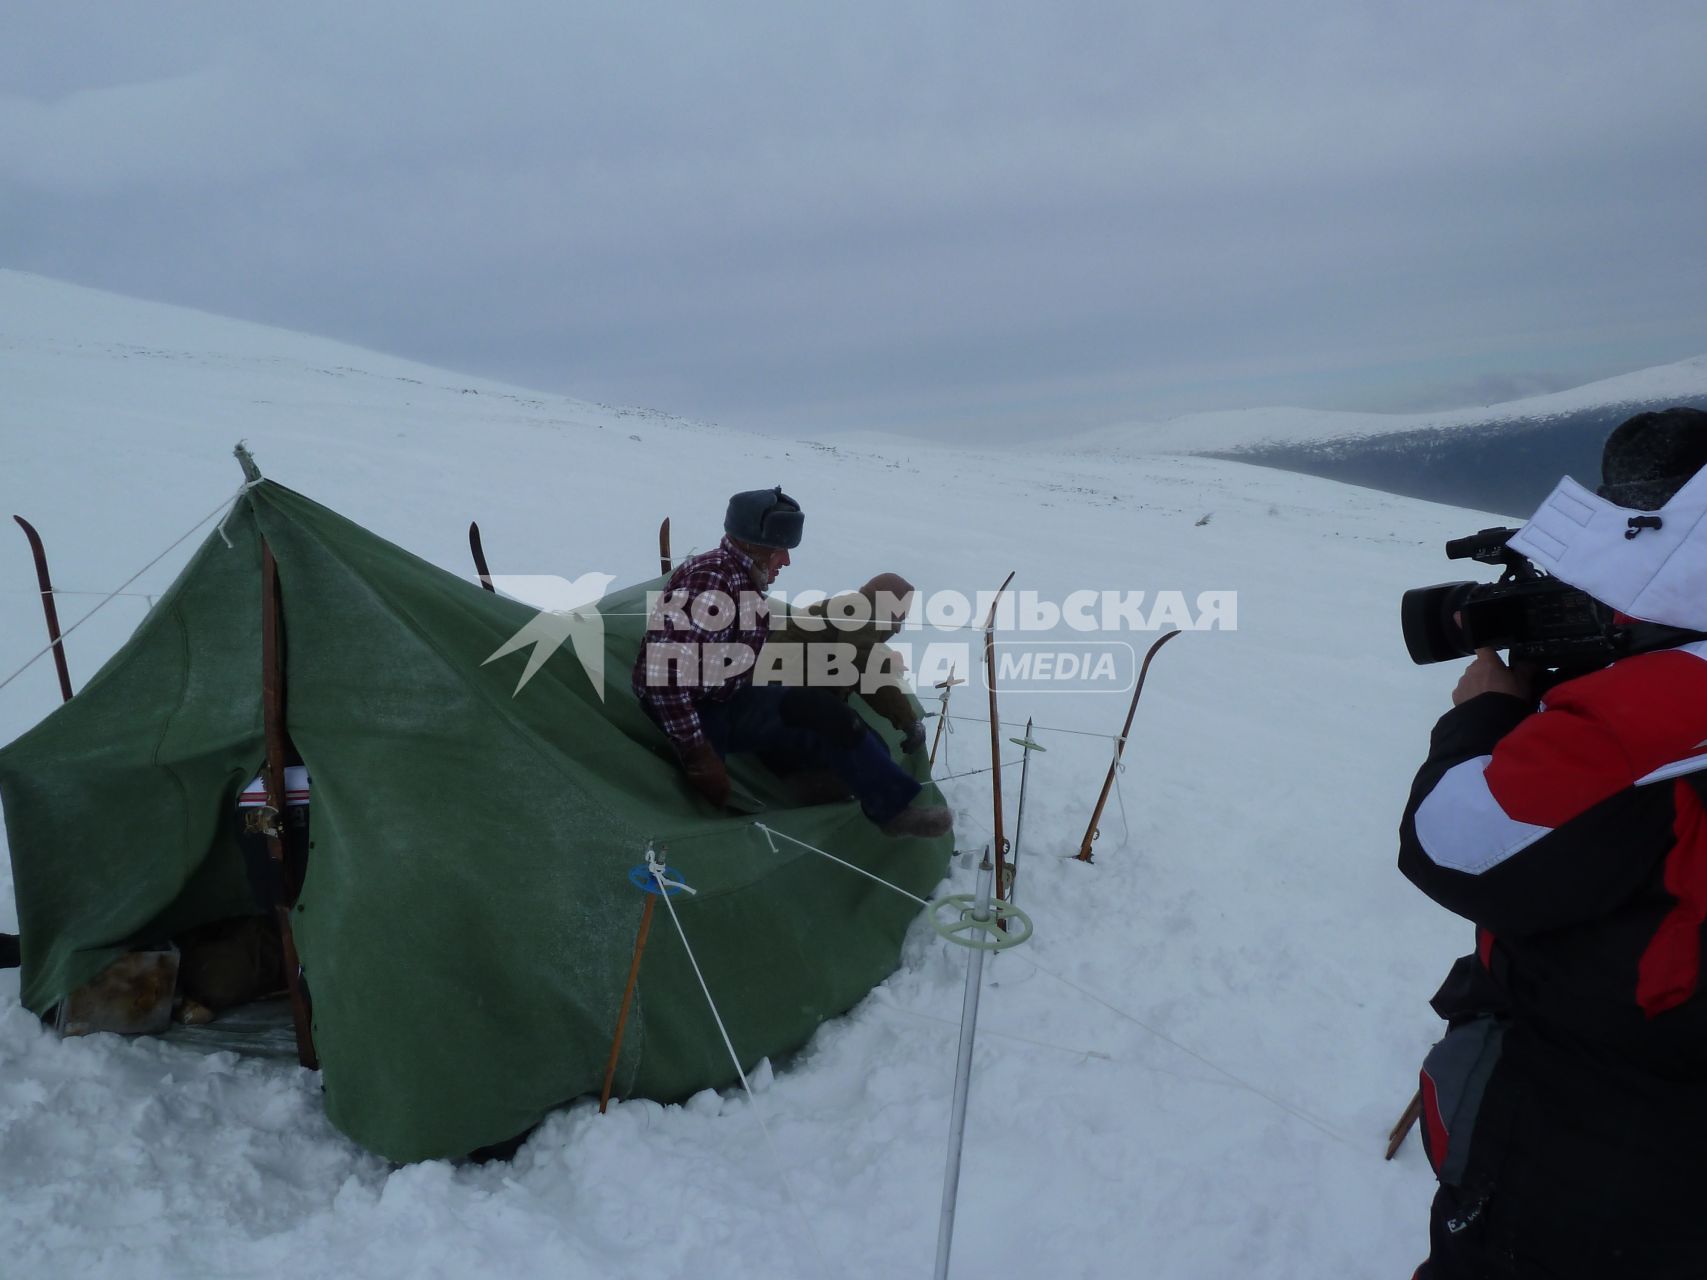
pixel 1001 842
pixel 981 927
pixel 942 714
pixel 962 1079
pixel 1019 815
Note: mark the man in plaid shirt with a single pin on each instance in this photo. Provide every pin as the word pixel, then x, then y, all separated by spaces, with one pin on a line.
pixel 694 677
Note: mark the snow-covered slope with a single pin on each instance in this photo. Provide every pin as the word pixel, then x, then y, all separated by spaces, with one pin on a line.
pixel 1189 1072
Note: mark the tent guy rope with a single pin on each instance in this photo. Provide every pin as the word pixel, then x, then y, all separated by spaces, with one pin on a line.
pixel 664 885
pixel 224 505
pixel 772 831
pixel 1255 1090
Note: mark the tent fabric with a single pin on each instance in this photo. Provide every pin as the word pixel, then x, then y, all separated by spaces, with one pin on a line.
pixel 467 919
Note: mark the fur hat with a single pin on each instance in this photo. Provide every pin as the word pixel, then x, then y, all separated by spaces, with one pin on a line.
pixel 765 517
pixel 1649 457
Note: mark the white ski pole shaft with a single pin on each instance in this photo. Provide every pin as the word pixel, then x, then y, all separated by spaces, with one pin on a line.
pixel 963 1076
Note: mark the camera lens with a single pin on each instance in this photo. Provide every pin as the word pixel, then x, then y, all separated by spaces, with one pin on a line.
pixel 1432 634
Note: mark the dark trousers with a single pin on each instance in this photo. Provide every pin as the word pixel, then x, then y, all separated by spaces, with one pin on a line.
pixel 1581 1167
pixel 797 729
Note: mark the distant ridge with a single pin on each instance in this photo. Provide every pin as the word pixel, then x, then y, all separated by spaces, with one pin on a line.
pixel 1501 458
pixel 1506 465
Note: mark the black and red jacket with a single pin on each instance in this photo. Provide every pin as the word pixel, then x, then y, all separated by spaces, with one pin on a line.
pixel 1575 837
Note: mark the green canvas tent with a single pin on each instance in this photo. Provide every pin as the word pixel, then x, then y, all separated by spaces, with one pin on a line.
pixel 467 919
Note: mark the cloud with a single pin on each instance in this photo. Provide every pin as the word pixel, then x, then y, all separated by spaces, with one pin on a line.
pixel 201 127
pixel 785 215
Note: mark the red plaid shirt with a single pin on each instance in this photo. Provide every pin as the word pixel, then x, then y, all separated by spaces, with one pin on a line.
pixel 673 694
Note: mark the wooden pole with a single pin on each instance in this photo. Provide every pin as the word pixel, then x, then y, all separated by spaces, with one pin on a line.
pixel 48 606
pixel 627 996
pixel 664 565
pixel 1091 832
pixel 273 721
pixel 1401 1131
pixel 1001 842
pixel 480 557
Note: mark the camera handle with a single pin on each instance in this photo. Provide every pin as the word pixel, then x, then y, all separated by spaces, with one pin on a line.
pixel 1488 546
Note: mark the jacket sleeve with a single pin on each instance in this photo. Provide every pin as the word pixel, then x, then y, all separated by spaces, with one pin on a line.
pixel 1525 821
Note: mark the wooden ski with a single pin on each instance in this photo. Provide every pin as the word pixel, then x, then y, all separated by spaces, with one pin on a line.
pixel 479 557
pixel 48 606
pixel 1402 1130
pixel 1091 832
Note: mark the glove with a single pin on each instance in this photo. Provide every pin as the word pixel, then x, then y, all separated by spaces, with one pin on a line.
pixel 705 772
pixel 914 739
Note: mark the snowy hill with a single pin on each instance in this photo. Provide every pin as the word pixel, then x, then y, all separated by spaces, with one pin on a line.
pixel 1503 457
pixel 1190 1072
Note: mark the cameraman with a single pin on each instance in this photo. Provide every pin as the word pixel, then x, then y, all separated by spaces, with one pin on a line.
pixel 1565 1111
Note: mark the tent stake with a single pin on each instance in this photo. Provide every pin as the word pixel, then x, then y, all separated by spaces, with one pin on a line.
pixel 627 999
pixel 1001 842
pixel 1091 832
pixel 272 712
pixel 479 557
pixel 47 605
pixel 653 879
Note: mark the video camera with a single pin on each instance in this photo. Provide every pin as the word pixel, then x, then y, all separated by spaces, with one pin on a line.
pixel 1538 618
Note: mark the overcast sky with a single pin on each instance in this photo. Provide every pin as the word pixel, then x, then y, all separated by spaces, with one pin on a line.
pixel 932 216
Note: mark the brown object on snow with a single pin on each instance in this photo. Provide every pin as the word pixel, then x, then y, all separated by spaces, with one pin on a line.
pixel 131 996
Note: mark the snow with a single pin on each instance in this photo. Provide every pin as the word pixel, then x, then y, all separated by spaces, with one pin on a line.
pixel 1234 429
pixel 1189 1072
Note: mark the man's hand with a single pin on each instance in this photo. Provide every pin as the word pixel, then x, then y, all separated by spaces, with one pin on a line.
pixel 705 772
pixel 914 739
pixel 1489 674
